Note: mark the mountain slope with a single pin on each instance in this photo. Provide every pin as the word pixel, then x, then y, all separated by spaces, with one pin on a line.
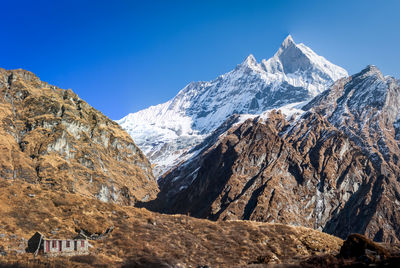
pixel 368 110
pixel 165 131
pixel 334 168
pixel 49 136
pixel 140 235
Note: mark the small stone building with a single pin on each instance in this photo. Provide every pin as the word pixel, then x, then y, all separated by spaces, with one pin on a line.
pixel 55 247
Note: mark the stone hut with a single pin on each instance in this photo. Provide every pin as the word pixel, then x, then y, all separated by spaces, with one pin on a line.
pixel 38 244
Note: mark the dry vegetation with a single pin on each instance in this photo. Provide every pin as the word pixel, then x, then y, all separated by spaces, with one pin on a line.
pixel 141 236
pixel 50 136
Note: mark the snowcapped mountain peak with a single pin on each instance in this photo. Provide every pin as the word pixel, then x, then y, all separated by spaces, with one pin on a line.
pixel 294 74
pixel 249 65
pixel 292 58
pixel 250 60
pixel 288 47
pixel 287 42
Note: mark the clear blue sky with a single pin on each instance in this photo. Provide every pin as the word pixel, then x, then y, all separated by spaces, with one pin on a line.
pixel 123 56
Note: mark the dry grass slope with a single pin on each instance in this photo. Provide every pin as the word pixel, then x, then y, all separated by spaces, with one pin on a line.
pixel 141 235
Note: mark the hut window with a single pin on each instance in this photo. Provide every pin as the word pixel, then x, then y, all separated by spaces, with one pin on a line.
pixel 82 243
pixel 68 244
pixel 54 243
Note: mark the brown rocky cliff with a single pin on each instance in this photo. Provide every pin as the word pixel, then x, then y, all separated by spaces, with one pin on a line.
pixel 308 173
pixel 366 106
pixel 51 137
pixel 334 169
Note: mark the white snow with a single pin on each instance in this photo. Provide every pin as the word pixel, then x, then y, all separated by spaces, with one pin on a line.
pixel 290 111
pixel 166 131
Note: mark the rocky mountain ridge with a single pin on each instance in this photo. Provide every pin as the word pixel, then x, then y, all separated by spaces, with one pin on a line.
pixel 333 168
pixel 368 110
pixel 51 137
pixel 166 131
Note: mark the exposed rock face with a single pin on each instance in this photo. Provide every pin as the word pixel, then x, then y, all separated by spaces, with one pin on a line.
pixel 367 108
pixel 333 169
pixel 52 137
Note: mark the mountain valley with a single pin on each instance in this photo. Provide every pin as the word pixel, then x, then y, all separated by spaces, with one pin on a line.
pixel 277 162
pixel 58 157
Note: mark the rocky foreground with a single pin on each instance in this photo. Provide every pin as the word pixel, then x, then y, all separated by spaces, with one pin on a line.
pixel 146 239
pixel 140 235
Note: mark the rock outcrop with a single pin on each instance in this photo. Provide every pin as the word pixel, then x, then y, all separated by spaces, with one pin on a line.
pixel 49 136
pixel 333 169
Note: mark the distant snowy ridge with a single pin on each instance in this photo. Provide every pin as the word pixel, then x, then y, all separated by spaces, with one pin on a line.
pixel 290 111
pixel 165 131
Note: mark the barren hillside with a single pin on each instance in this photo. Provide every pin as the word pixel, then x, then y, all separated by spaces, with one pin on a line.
pixel 140 235
pixel 52 137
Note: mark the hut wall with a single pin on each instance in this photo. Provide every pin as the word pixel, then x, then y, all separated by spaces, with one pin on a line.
pixel 65 247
